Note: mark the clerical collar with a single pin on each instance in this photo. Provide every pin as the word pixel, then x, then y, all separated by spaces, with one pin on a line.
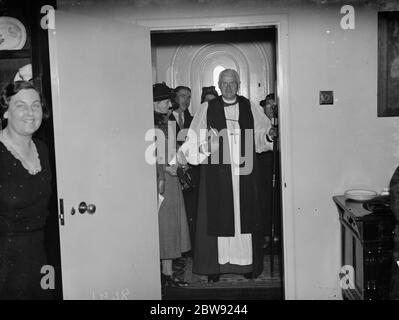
pixel 228 103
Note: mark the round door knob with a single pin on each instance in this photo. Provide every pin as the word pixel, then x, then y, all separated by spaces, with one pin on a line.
pixel 90 208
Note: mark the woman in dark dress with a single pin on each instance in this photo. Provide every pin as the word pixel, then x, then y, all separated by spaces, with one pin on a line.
pixel 25 187
pixel 174 238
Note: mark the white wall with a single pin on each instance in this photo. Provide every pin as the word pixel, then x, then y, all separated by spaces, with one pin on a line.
pixel 333 147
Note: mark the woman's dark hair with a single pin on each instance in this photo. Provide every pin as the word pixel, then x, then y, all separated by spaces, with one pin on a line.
pixel 208 90
pixel 177 89
pixel 11 90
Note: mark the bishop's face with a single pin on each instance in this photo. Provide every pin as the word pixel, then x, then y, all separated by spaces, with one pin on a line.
pixel 228 86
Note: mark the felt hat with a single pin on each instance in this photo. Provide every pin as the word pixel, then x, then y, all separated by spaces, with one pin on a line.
pixel 208 90
pixel 161 91
pixel 268 97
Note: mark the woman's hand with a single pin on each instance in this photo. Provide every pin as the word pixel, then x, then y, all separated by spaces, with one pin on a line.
pixel 171 169
pixel 161 186
pixel 213 142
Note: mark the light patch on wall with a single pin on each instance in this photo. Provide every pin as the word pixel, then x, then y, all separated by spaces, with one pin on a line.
pixel 216 73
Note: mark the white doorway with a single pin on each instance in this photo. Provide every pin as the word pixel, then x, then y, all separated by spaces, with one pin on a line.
pixel 281 89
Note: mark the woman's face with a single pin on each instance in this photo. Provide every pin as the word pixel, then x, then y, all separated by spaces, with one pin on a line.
pixel 162 106
pixel 24 115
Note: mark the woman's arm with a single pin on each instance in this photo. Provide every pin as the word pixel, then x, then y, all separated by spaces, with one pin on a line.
pixel 161 178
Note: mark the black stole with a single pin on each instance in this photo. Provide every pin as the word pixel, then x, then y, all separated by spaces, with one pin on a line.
pixel 219 188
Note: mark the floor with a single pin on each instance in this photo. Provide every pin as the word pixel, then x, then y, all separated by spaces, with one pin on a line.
pixel 233 287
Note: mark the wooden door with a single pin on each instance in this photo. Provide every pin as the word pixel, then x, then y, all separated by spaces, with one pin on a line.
pixel 101 91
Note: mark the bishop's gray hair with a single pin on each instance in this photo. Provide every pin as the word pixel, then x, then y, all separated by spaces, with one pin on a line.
pixel 232 71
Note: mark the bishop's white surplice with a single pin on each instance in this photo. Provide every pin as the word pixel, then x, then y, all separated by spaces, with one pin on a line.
pixel 237 249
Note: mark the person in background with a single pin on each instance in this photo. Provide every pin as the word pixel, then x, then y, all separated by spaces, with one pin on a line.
pixel 228 235
pixel 182 102
pixel 174 238
pixel 181 114
pixel 183 119
pixel 269 106
pixel 265 161
pixel 25 189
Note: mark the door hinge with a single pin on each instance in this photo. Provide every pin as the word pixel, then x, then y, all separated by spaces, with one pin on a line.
pixel 61 215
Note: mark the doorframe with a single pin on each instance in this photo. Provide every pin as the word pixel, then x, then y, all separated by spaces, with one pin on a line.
pixel 280 21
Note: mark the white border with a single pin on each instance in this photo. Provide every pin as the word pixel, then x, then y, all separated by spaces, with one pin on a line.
pixel 280 21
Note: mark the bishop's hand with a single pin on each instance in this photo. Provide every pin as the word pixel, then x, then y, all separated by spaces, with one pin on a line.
pixel 212 145
pixel 181 158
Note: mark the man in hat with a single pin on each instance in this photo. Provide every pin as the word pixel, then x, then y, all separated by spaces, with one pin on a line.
pixel 229 233
pixel 266 167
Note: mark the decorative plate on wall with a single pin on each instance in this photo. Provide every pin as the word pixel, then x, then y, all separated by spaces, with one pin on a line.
pixel 12 34
pixel 360 194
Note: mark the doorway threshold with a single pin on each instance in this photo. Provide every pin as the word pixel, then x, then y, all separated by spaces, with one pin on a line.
pixel 268 286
